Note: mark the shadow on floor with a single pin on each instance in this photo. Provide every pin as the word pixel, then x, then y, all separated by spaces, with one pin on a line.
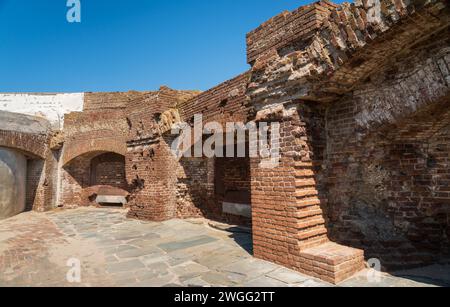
pixel 437 275
pixel 244 240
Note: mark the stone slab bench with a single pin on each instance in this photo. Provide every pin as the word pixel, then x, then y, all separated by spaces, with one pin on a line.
pixel 111 200
pixel 237 209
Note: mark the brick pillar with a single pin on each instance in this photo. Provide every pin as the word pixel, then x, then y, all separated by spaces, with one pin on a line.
pixel 289 226
pixel 151 175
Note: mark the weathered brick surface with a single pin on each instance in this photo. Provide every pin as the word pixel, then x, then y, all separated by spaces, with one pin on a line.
pixel 350 54
pixel 224 103
pixel 300 24
pixel 362 100
pixel 107 101
pixel 388 161
pixel 150 165
pixel 87 137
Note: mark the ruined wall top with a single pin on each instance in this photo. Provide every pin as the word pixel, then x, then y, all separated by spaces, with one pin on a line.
pixel 286 27
pixel 354 42
pixel 112 100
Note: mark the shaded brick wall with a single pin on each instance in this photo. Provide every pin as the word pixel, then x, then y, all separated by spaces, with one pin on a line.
pixel 109 170
pixel 203 184
pixel 35 176
pixel 389 194
pixel 195 188
pixel 233 185
pixel 224 103
pixel 233 180
pixel 388 162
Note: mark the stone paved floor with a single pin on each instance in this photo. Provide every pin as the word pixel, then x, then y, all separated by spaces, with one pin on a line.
pixel 115 251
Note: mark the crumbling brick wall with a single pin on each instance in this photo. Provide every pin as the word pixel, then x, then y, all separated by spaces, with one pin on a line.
pixel 352 44
pixel 287 201
pixel 195 188
pixel 163 186
pixel 100 129
pixel 150 164
pixel 225 103
pixel 387 160
pixel 279 31
pixel 109 170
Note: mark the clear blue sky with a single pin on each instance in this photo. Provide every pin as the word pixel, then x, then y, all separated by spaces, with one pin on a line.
pixel 125 45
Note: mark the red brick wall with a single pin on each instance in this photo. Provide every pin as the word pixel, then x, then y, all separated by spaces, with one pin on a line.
pixel 150 165
pixel 75 177
pixel 232 180
pixel 287 206
pixel 195 188
pixel 107 101
pixel 285 28
pixel 388 163
pixel 151 174
pixel 203 183
pixel 224 103
pixel 109 170
pixel 164 187
pixel 35 168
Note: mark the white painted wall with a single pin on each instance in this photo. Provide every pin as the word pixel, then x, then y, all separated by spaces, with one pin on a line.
pixel 53 107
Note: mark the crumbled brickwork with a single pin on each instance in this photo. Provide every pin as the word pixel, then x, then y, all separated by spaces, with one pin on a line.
pixel 300 24
pixel 198 191
pixel 163 187
pixel 224 103
pixel 361 93
pixel 87 137
pixel 352 65
pixel 388 160
pixel 347 49
pixel 107 101
pixel 150 165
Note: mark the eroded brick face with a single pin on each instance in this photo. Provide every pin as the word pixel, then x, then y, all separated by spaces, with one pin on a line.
pixel 362 100
pixel 388 162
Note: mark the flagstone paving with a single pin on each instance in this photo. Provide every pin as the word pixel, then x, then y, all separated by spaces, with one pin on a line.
pixel 114 251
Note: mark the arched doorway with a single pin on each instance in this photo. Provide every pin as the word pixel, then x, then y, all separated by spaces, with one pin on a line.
pixel 13 177
pixel 95 178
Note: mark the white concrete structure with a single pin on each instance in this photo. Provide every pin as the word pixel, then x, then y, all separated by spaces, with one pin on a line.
pixel 13 172
pixel 53 107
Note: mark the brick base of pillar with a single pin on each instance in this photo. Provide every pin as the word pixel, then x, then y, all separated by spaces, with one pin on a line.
pixel 331 262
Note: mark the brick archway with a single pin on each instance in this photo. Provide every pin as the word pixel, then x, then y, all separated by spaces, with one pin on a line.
pixel 91 174
pixel 77 148
pixel 32 145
